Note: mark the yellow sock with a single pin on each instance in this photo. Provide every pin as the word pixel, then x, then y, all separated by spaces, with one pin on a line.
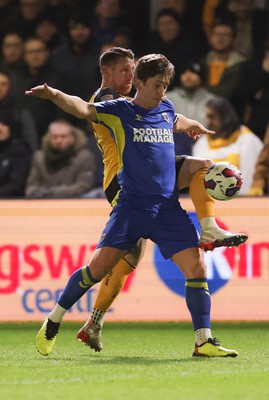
pixel 203 203
pixel 112 284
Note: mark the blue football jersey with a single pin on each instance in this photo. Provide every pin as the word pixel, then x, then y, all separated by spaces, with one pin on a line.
pixel 145 145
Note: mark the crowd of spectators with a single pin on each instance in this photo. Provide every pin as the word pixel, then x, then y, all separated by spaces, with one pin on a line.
pixel 220 49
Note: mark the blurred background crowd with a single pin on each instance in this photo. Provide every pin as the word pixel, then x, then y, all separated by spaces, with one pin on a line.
pixel 220 49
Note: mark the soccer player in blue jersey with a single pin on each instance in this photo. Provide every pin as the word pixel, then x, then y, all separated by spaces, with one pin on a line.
pixel 147 203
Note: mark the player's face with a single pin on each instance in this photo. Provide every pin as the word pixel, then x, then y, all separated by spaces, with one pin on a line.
pixel 121 75
pixel 153 91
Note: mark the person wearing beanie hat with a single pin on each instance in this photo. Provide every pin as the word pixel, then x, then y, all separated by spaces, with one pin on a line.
pixel 196 68
pixel 190 96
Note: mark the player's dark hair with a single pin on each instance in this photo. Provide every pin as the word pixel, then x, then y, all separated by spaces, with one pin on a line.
pixel 230 121
pixel 111 56
pixel 154 64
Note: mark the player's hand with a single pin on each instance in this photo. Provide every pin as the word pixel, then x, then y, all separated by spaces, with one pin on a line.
pixel 42 91
pixel 193 134
pixel 255 191
pixel 197 130
pixel 193 128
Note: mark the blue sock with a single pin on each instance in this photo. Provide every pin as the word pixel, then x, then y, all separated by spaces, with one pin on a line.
pixel 79 283
pixel 198 301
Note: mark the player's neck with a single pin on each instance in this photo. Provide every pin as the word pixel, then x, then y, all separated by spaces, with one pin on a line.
pixel 147 104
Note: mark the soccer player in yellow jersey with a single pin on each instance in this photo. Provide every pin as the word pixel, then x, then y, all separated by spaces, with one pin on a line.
pixel 117 68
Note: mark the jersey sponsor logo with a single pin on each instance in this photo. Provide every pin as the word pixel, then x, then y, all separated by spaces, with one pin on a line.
pixel 152 135
pixel 220 265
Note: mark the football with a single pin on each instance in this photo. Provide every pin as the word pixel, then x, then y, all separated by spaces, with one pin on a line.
pixel 223 181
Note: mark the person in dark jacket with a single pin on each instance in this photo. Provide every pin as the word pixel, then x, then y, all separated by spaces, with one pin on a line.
pixel 15 160
pixel 37 69
pixel 63 167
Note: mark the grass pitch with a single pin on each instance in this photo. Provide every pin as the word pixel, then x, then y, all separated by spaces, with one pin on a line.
pixel 140 361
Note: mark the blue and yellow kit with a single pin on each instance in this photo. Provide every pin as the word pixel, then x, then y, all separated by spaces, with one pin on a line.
pixel 147 204
pixel 145 145
pixel 107 146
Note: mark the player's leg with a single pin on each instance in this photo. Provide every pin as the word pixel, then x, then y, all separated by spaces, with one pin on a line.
pixel 103 261
pixel 124 229
pixel 190 262
pixel 110 287
pixel 190 173
pixel 180 243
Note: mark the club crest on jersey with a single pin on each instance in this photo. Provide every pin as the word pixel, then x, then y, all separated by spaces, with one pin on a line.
pixel 138 117
pixel 165 116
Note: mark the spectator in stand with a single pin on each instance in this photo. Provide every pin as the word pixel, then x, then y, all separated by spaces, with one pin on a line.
pixel 15 159
pixel 12 52
pixel 223 65
pixel 20 117
pixel 107 19
pixel 30 10
pixel 37 69
pixel 208 15
pixel 252 98
pixel 251 27
pixel 77 60
pixel 167 40
pixel 137 20
pixel 189 98
pixel 233 142
pixel 60 11
pixel 260 183
pixel 64 167
pixel 48 31
pixel 9 14
pixel 190 16
pixel 251 23
pixel 122 38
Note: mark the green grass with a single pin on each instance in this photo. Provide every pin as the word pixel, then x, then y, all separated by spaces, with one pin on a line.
pixel 140 361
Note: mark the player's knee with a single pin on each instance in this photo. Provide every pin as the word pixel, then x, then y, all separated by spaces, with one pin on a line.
pixel 135 255
pixel 196 270
pixel 132 259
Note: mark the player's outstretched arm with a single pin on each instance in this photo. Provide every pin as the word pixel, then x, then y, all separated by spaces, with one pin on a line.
pixel 191 126
pixel 70 104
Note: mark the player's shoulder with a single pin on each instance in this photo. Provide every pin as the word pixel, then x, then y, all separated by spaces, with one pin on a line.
pixel 104 94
